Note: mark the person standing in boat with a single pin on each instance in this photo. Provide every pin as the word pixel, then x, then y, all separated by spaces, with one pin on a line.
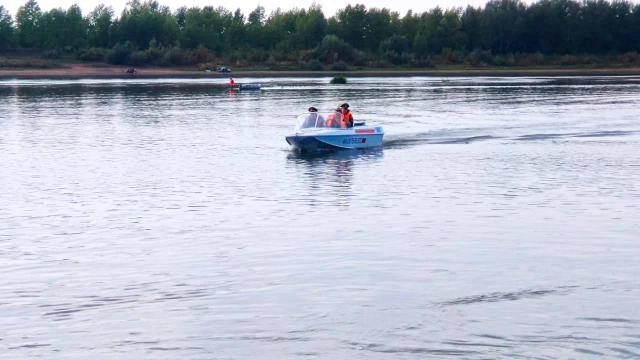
pixel 346 119
pixel 232 83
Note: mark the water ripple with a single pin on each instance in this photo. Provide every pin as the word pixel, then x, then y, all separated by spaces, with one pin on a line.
pixel 507 296
pixel 169 219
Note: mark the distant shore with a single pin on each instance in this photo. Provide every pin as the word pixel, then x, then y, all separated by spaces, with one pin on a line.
pixel 101 71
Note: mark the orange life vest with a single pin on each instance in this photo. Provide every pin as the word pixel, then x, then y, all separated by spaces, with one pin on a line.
pixel 331 120
pixel 346 119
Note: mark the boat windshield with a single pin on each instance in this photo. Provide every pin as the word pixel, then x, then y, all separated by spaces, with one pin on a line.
pixel 316 120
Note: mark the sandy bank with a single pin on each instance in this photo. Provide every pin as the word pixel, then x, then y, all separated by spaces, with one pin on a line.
pixel 83 71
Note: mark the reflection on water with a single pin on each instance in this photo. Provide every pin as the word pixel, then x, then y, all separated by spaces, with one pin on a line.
pixel 169 219
pixel 330 175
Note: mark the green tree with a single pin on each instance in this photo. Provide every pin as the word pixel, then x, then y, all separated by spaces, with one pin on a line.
pixel 52 25
pixel 428 39
pixel 311 27
pixel 396 43
pixel 470 25
pixel 634 28
pixel 6 29
pixel 333 49
pixel 351 25
pixel 181 17
pixel 99 23
pixel 494 33
pixel 143 21
pixel 395 48
pixel 28 24
pixel 280 31
pixel 120 54
pixel 503 26
pixel 450 30
pixel 596 35
pixel 409 25
pixel 236 31
pixel 547 27
pixel 295 29
pixel 255 36
pixel 622 26
pixel 63 29
pixel 75 27
pixel 378 26
pixel 205 27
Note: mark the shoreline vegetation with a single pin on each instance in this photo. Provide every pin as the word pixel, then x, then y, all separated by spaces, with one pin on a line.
pixel 501 38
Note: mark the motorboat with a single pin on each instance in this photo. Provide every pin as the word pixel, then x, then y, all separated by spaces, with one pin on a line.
pixel 312 134
pixel 250 87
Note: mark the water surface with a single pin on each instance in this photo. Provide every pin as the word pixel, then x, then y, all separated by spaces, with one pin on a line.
pixel 169 220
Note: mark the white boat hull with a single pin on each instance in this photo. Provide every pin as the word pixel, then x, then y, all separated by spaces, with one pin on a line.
pixel 322 139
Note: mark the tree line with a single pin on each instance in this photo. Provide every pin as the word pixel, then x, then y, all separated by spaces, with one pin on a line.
pixel 502 32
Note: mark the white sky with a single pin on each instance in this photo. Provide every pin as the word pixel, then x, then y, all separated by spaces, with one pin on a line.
pixel 329 7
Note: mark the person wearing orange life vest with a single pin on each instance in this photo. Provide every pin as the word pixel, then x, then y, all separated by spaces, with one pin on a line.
pixel 346 119
pixel 333 119
pixel 232 83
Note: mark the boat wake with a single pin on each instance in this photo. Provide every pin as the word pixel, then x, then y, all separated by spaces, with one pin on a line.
pixel 440 137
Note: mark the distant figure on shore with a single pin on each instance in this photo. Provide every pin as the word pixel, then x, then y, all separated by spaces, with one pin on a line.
pixel 131 71
pixel 232 83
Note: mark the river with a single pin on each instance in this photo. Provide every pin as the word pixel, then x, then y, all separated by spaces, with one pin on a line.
pixel 166 219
